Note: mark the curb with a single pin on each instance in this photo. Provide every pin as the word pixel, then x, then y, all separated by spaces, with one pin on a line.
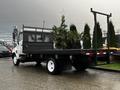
pixel 99 68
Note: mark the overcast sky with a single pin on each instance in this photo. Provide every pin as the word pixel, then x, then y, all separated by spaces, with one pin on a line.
pixel 34 12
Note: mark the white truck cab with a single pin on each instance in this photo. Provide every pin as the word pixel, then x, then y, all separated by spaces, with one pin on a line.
pixel 18 45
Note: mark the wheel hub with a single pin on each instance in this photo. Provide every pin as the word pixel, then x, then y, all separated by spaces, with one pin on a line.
pixel 51 66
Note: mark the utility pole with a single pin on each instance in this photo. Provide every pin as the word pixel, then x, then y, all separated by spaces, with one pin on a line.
pixel 108 36
pixel 42 36
pixel 43 24
pixel 95 22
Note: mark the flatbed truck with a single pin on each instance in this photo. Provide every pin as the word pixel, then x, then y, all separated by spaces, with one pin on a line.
pixel 37 44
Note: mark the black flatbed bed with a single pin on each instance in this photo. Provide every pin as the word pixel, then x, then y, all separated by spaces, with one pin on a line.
pixel 57 51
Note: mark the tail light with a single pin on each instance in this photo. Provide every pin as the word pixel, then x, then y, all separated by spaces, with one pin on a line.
pixel 111 52
pixel 104 52
pixel 98 53
pixel 87 53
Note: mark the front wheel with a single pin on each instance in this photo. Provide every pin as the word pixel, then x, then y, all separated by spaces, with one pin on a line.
pixel 16 62
pixel 53 67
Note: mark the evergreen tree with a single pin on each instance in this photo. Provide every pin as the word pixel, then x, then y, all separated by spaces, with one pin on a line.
pixel 73 28
pixel 86 37
pixel 64 38
pixel 60 34
pixel 111 35
pixel 97 37
pixel 73 39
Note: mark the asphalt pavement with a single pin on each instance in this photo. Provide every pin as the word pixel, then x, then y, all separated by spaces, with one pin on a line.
pixel 29 77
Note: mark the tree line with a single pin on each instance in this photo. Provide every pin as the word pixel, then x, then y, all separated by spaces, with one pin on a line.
pixel 65 38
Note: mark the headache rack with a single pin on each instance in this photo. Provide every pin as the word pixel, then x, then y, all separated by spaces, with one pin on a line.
pixel 36 38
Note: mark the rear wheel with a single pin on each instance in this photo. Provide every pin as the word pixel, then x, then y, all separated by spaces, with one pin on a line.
pixel 53 66
pixel 16 62
pixel 80 67
pixel 81 63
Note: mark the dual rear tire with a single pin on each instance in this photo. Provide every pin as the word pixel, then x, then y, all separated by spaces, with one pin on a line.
pixel 56 66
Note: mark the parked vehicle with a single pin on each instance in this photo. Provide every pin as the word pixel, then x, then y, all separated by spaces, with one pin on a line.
pixel 4 52
pixel 116 56
pixel 101 54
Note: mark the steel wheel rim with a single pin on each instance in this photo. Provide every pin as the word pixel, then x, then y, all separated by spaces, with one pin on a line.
pixel 51 66
pixel 15 60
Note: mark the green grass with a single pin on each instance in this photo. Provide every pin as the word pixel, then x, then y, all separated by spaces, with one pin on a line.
pixel 101 62
pixel 114 66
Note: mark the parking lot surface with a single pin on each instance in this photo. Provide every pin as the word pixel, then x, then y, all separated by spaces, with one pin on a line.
pixel 29 77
